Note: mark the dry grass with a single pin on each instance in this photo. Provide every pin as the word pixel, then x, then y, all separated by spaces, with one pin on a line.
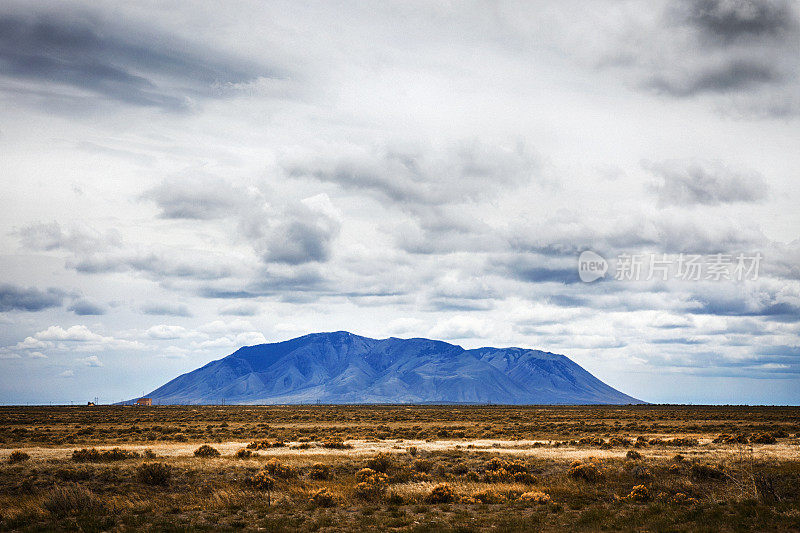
pixel 608 472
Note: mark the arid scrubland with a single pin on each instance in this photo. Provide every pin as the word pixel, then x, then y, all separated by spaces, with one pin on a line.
pixel 426 468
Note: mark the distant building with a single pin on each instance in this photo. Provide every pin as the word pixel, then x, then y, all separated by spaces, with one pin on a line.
pixel 90 404
pixel 144 401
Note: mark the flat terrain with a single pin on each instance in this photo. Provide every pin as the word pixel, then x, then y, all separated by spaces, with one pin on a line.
pixel 415 468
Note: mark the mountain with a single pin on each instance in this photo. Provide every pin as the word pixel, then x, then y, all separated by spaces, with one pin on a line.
pixel 341 367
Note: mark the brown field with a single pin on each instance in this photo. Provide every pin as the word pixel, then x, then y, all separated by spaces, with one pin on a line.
pixel 430 468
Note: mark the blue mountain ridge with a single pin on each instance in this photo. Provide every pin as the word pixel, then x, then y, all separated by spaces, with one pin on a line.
pixel 343 368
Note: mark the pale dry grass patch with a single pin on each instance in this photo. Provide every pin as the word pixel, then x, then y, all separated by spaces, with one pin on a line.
pixel 781 450
pixel 416 491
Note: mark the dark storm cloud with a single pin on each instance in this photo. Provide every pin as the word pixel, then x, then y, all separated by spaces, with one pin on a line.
pixel 241 309
pixel 731 76
pixel 302 232
pixel 199 197
pixel 739 55
pixel 301 240
pixel 566 300
pixel 121 63
pixel 300 283
pixel 791 352
pixel 85 307
pixel 691 183
pixel 525 271
pixel 770 308
pixel 568 236
pixel 726 20
pixel 17 298
pixel 166 309
pixel 679 340
pixel 154 265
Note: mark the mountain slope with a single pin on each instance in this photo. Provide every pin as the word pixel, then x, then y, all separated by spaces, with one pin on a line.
pixel 340 367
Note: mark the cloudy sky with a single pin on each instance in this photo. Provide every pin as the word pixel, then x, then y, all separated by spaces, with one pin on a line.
pixel 179 181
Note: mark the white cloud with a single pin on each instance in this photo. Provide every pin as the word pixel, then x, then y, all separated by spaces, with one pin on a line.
pixel 30 343
pixel 231 326
pixel 78 338
pixel 91 360
pixel 73 333
pixel 460 327
pixel 165 332
pixel 406 326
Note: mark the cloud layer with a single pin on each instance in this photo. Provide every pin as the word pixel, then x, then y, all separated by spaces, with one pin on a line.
pixel 187 182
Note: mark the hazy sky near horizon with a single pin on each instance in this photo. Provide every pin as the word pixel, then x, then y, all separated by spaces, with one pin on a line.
pixel 180 180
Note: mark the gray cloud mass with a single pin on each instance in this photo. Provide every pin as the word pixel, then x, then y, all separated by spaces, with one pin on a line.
pixel 125 66
pixel 18 298
pixel 181 180
pixel 698 183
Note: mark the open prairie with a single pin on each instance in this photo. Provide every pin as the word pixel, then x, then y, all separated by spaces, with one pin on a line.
pixel 416 468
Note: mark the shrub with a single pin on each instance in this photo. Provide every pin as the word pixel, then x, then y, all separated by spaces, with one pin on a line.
pixel 261 480
pixel 322 498
pixel 535 497
pixel 319 471
pixel 633 455
pixel 442 493
pixel 18 457
pixel 641 472
pixel 154 473
pixel 585 471
pixel 678 458
pixel 336 444
pixel 369 491
pixel 149 454
pixel 460 469
pixel 422 465
pixel 278 469
pixel 763 438
pixel 680 441
pixel 371 484
pixel 206 451
pixel 380 463
pixel 499 470
pixel 707 471
pixel 730 439
pixel 421 476
pixel 244 453
pixel 72 499
pixel 265 444
pixel 370 475
pixel 682 499
pixel 639 493
pixel 620 441
pixel 412 450
pixel 95 456
pixel 487 496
